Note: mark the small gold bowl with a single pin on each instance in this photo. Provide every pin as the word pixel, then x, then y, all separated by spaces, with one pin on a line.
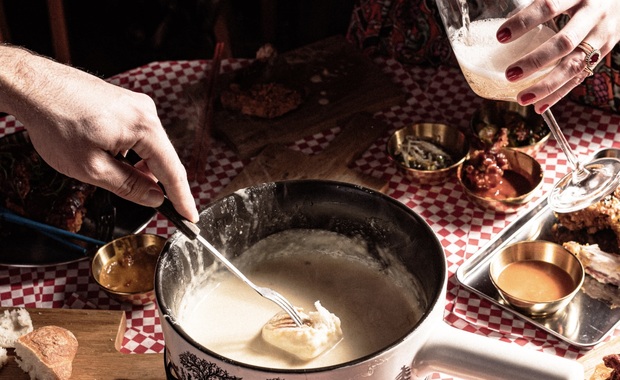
pixel 494 115
pixel 529 175
pixel 448 139
pixel 125 267
pixel 538 278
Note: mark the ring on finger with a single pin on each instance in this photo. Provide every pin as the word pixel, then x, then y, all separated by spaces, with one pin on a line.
pixel 589 71
pixel 592 55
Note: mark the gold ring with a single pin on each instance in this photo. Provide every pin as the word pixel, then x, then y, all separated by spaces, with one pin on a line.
pixel 589 71
pixel 592 55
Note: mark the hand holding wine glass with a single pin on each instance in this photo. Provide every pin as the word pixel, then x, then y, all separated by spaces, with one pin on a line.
pixel 473 28
pixel 590 25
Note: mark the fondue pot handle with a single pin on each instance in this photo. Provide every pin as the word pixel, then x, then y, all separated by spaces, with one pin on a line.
pixel 470 356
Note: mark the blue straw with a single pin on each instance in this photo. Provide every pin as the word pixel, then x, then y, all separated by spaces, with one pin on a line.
pixel 20 220
pixel 65 242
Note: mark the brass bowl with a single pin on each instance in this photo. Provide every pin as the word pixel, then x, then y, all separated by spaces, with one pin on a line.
pixel 450 139
pixel 128 279
pixel 520 163
pixel 494 115
pixel 562 272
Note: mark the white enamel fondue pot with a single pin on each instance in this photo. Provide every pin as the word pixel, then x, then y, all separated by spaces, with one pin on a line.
pixel 235 223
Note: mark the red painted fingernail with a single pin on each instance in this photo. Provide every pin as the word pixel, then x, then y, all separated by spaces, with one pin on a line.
pixel 514 73
pixel 543 108
pixel 526 98
pixel 504 35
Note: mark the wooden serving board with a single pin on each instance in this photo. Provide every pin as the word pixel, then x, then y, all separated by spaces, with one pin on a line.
pixel 338 81
pixel 595 356
pixel 99 334
pixel 277 162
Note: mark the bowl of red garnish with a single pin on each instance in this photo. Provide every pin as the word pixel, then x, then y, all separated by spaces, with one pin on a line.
pixel 500 179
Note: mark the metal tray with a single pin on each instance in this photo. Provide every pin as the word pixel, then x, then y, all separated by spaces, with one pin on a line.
pixel 584 322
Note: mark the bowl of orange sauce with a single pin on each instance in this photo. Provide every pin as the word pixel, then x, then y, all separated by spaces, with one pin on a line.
pixel 125 267
pixel 517 186
pixel 538 278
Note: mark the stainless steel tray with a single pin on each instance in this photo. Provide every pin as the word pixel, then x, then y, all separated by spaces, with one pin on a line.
pixel 584 322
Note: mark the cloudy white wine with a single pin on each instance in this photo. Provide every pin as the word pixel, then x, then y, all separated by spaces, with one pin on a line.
pixel 484 60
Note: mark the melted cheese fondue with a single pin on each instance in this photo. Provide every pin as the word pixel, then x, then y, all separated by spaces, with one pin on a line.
pixel 375 308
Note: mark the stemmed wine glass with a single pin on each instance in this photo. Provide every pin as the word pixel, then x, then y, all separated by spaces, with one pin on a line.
pixel 471 26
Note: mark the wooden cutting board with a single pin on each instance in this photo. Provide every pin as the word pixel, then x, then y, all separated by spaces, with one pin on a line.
pixel 99 334
pixel 276 162
pixel 338 81
pixel 595 356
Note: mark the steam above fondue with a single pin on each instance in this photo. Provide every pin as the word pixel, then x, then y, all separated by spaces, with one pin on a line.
pixel 376 305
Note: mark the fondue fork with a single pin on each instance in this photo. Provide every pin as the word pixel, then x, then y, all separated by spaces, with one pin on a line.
pixel 192 231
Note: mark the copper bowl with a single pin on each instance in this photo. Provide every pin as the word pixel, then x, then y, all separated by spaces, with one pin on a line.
pixel 538 278
pixel 494 115
pixel 125 267
pixel 529 170
pixel 447 138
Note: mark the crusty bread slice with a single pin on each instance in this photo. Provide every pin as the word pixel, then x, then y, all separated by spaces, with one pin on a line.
pixel 13 324
pixel 47 353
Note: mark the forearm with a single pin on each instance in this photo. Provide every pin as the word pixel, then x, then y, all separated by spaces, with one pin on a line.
pixel 78 123
pixel 16 79
pixel 34 88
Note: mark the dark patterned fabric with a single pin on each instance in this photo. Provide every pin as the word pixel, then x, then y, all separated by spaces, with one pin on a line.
pixel 411 32
pixel 408 30
pixel 601 90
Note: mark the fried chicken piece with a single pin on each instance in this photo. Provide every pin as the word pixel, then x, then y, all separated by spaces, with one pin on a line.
pixel 268 100
pixel 31 188
pixel 609 369
pixel 605 214
pixel 606 239
pixel 613 361
pixel 267 89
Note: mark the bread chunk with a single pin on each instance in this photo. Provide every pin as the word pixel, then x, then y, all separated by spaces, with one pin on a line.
pixel 13 324
pixel 320 332
pixel 47 353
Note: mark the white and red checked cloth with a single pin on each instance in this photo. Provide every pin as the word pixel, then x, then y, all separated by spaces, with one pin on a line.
pixel 435 95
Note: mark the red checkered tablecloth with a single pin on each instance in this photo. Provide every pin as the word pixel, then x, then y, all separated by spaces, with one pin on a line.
pixel 437 95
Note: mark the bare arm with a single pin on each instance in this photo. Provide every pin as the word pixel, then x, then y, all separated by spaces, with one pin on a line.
pixel 78 123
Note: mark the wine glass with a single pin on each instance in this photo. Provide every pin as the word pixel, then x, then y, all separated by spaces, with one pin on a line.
pixel 471 26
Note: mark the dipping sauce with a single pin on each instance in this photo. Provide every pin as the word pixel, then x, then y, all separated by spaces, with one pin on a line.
pixel 131 271
pixel 376 307
pixel 535 280
pixel 512 185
